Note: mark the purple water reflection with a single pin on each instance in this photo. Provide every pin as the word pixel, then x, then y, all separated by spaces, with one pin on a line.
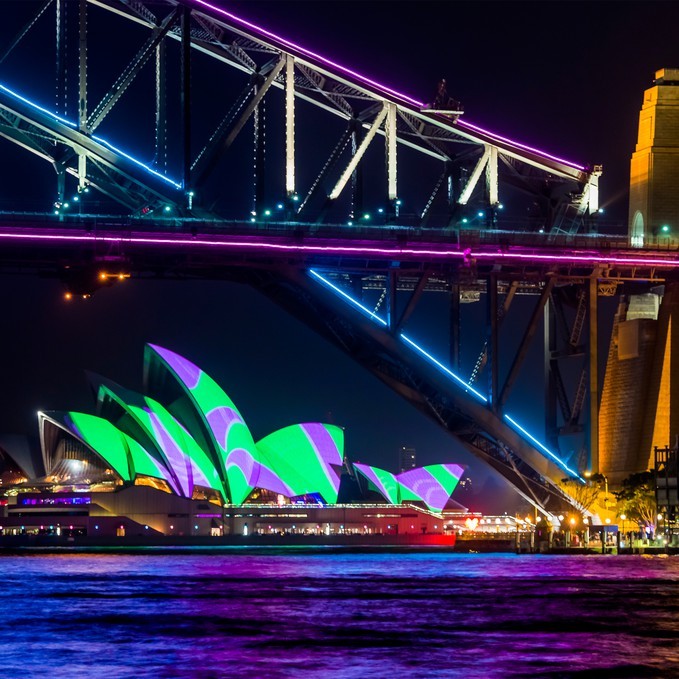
pixel 334 613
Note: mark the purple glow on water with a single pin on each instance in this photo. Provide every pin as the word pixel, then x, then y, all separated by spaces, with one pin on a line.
pixel 336 613
pixel 186 371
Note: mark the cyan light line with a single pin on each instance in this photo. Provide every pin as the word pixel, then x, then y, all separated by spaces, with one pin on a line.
pixel 37 107
pixel 448 372
pixel 442 367
pixel 155 173
pixel 540 445
pixel 108 144
pixel 511 420
pixel 349 298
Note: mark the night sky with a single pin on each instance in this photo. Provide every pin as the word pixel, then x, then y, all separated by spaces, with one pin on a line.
pixel 564 76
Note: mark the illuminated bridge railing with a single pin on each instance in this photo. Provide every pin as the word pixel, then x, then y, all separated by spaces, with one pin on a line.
pixel 479 250
pixel 512 232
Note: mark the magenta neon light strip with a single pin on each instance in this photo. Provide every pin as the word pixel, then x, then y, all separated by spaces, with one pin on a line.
pixel 308 52
pixel 494 135
pixel 369 81
pixel 360 250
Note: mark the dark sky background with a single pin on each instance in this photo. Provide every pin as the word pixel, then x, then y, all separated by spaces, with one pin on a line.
pixel 564 76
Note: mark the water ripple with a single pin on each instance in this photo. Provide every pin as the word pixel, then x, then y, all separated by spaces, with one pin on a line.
pixel 319 613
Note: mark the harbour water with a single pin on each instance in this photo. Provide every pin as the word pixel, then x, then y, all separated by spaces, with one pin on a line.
pixel 338 613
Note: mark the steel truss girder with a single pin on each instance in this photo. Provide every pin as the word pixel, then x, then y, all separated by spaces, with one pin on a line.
pixel 25 30
pixel 529 333
pixel 333 88
pixel 356 157
pixel 562 341
pixel 118 88
pixel 223 138
pixel 389 359
pixel 137 185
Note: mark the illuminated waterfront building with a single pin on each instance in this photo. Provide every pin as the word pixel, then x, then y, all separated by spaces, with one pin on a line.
pixel 179 459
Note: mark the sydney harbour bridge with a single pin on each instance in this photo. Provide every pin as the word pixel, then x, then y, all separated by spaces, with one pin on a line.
pixel 188 143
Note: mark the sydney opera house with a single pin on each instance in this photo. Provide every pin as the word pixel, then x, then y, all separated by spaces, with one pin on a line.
pixel 179 460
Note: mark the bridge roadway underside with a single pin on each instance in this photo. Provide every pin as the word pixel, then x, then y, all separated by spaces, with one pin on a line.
pixel 278 265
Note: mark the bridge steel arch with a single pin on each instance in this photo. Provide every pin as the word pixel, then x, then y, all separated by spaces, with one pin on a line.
pixel 475 166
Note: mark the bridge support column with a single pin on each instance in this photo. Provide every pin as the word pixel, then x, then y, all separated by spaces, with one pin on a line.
pixel 82 99
pixel 492 326
pixel 259 120
pixel 551 433
pixel 455 327
pixel 289 126
pixel 61 102
pixel 492 178
pixel 593 369
pixel 161 117
pixel 390 142
pixel 186 96
pixel 392 284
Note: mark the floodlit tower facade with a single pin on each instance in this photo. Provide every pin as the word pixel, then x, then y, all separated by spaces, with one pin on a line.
pixel 641 389
pixel 654 172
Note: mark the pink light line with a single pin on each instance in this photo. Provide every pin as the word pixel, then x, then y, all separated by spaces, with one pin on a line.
pixel 525 147
pixel 308 52
pixel 439 253
pixel 374 83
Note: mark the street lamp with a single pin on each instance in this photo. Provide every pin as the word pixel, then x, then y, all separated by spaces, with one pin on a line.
pixel 588 475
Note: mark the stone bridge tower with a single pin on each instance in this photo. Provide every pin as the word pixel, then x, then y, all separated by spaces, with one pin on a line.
pixel 654 173
pixel 640 398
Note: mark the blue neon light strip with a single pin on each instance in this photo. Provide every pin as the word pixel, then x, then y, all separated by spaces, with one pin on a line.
pixel 446 370
pixel 349 298
pixel 38 108
pixel 115 149
pixel 71 124
pixel 542 447
pixel 404 337
pixel 517 427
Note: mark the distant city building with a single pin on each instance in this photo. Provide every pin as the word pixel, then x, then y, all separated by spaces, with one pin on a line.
pixel 407 458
